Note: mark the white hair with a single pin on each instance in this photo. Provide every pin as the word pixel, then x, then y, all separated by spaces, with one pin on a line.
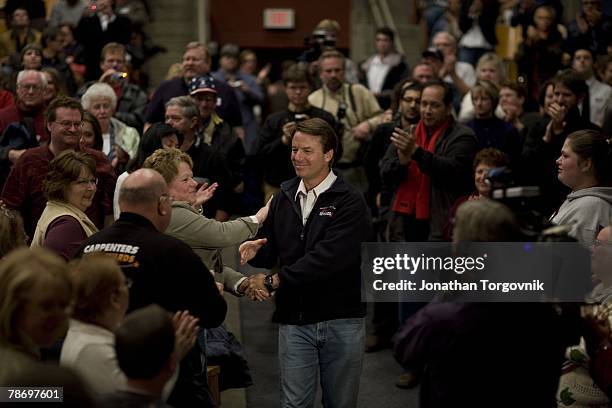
pixel 99 90
pixel 21 75
pixel 448 35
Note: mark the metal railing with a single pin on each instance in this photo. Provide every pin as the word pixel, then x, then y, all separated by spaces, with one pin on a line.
pixel 383 17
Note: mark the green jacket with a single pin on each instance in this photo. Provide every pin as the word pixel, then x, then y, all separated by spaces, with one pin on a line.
pixel 207 237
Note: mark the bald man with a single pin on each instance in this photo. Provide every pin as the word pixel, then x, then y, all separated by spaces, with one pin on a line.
pixel 163 269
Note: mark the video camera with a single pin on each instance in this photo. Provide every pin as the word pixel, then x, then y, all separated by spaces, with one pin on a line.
pixel 526 203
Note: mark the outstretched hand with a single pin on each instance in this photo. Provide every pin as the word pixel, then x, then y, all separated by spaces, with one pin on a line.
pixel 248 249
pixel 205 193
pixel 262 214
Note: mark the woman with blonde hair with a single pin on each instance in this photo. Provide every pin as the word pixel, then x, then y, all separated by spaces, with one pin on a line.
pixel 204 235
pixel 101 301
pixel 70 186
pixel 35 297
pixel 489 68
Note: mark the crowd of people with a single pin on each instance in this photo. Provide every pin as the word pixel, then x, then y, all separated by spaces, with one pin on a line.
pixel 297 171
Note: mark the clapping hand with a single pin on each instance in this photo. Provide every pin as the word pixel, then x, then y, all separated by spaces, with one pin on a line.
pixel 405 142
pixel 557 115
pixel 185 330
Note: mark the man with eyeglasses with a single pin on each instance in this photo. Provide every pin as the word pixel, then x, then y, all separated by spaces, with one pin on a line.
pixel 27 117
pixel 23 188
pixel 379 196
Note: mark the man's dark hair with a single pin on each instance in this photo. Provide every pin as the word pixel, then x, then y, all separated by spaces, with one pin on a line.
pixel 318 127
pixel 448 93
pixel 386 31
pixel 573 81
pixel 519 89
pixel 583 49
pixel 400 89
pixel 298 73
pixel 144 342
pixel 61 102
pixel 48 34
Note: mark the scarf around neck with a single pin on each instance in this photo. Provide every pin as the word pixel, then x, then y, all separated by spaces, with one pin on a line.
pixel 412 196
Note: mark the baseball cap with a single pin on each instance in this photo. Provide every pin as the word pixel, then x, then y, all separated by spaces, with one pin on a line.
pixel 203 83
pixel 433 52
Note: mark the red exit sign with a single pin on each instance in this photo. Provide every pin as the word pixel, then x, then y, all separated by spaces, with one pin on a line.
pixel 277 18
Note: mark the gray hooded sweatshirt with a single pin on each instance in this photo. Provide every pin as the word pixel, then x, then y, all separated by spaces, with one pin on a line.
pixel 589 210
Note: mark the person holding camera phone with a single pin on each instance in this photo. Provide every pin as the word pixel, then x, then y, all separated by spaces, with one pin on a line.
pixel 131 99
pixel 355 107
pixel 274 136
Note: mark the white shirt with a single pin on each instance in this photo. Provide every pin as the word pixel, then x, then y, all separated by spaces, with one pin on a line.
pixel 474 38
pixel 465 71
pixel 376 73
pixel 308 198
pixel 600 96
pixel 467 109
pixel 90 351
pixel 106 20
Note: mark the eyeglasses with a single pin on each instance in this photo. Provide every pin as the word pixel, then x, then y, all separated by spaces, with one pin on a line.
pixel 29 87
pixel 207 98
pixel 87 182
pixel 166 196
pixel 410 100
pixel 66 124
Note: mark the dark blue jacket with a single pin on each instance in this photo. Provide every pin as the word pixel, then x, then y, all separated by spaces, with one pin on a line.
pixel 320 276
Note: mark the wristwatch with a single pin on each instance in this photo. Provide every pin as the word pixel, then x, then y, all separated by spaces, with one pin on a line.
pixel 268 283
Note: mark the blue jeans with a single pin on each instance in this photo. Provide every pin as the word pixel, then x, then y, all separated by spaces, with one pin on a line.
pixel 335 347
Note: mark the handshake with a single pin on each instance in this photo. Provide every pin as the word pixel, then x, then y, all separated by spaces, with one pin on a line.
pixel 254 287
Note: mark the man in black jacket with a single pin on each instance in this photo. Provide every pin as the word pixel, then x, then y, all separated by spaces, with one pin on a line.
pixel 315 228
pixel 431 163
pixel 545 139
pixel 163 269
pixel 98 29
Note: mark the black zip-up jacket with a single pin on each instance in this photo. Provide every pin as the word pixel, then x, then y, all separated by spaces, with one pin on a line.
pixel 163 269
pixel 320 277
